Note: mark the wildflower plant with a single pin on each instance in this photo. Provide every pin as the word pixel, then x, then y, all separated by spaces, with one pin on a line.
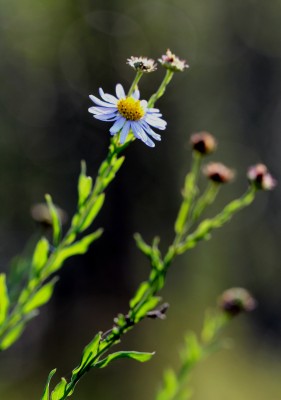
pixel 131 119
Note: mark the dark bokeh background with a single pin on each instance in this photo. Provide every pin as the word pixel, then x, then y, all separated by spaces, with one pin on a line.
pixel 53 54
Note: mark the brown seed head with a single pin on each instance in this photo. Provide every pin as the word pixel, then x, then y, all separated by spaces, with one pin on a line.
pixel 203 142
pixel 218 172
pixel 259 176
pixel 236 300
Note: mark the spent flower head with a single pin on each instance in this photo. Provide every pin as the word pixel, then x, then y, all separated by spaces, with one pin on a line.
pixel 142 64
pixel 236 300
pixel 128 113
pixel 218 172
pixel 259 176
pixel 203 142
pixel 172 62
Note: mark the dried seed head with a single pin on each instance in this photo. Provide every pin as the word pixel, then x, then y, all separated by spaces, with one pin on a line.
pixel 142 64
pixel 41 214
pixel 259 176
pixel 218 172
pixel 172 62
pixel 203 142
pixel 236 300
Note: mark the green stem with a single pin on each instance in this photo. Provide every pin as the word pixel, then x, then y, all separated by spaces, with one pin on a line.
pixel 138 76
pixel 162 88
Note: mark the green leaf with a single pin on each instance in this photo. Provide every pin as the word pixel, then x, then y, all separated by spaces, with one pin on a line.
pixel 149 305
pixel 80 247
pixel 46 390
pixel 170 386
pixel 4 299
pixel 84 185
pixel 58 391
pixel 139 294
pixel 93 212
pixel 12 336
pixel 115 166
pixel 41 297
pixel 55 220
pixel 145 248
pixel 193 350
pixel 89 352
pixel 135 355
pixel 40 255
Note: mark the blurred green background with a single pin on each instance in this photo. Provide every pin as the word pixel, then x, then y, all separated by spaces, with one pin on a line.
pixel 53 54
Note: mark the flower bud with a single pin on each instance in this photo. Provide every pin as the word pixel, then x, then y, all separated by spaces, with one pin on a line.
pixel 218 172
pixel 142 64
pixel 236 300
pixel 203 142
pixel 172 62
pixel 259 176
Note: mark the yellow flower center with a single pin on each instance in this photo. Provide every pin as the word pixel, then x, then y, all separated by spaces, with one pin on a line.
pixel 130 109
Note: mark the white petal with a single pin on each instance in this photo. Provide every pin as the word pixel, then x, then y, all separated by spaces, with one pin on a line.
pixel 106 117
pixel 120 92
pixel 118 124
pixel 150 132
pixel 156 122
pixel 99 102
pixel 136 94
pixel 107 97
pixel 124 132
pixel 101 110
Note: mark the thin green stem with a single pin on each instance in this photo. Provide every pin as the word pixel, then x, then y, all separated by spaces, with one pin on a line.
pixel 138 76
pixel 162 88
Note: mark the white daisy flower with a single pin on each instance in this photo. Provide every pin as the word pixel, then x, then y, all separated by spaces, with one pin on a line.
pixel 128 113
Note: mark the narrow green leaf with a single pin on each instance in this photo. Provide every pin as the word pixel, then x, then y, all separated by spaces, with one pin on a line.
pixel 11 336
pixel 41 297
pixel 40 255
pixel 80 247
pixel 145 248
pixel 84 185
pixel 89 352
pixel 135 355
pixel 114 169
pixel 4 299
pixel 139 294
pixel 46 390
pixel 55 219
pixel 170 385
pixel 58 391
pixel 149 305
pixel 93 212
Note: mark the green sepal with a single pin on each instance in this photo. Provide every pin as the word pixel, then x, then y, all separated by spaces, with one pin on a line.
pixel 46 390
pixel 40 255
pixel 55 220
pixel 4 299
pixel 59 390
pixel 135 355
